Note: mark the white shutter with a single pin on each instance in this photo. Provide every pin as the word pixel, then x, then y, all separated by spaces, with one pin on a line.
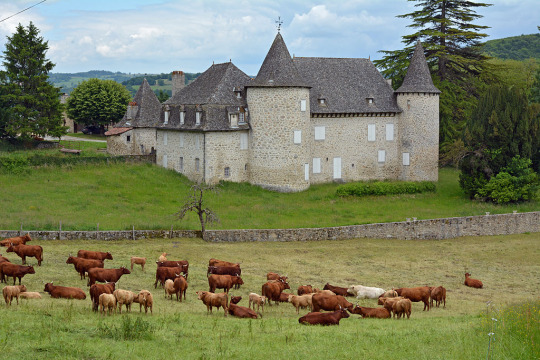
pixel 182 114
pixel 306 172
pixel 181 140
pixel 243 141
pixel 381 156
pixel 297 136
pixel 197 143
pixel 165 161
pixel 337 168
pixel 303 105
pixel 166 121
pixel 198 118
pixel 406 159
pixel 316 165
pixel 371 132
pixel 320 132
pixel 165 139
pixel 390 132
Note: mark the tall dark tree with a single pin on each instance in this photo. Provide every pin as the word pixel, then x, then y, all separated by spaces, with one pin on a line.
pixel 33 104
pixel 453 52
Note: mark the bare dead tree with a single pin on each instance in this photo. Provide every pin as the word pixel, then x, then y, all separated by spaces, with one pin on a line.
pixel 195 202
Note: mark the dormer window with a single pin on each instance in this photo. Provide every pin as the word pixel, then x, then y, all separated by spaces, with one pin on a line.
pixel 322 101
pixel 369 100
pixel 234 120
pixel 237 92
pixel 198 118
pixel 182 116
pixel 167 112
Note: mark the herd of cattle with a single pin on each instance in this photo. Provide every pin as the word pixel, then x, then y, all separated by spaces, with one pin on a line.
pixel 173 275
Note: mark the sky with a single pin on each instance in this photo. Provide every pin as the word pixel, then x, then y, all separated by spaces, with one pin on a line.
pixel 159 36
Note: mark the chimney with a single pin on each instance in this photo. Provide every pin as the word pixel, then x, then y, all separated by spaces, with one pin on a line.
pixel 178 81
pixel 132 110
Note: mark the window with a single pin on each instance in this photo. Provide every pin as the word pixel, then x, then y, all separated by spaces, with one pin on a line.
pixel 322 101
pixel 165 161
pixel 369 100
pixel 227 172
pixel 320 132
pixel 197 143
pixel 381 156
pixel 198 118
pixel 406 159
pixel 166 121
pixel 297 136
pixel 234 120
pixel 197 164
pixel 165 139
pixel 371 132
pixel 389 132
pixel 181 164
pixel 316 165
pixel 243 141
pixel 182 115
pixel 128 138
pixel 181 140
pixel 241 119
pixel 303 105
pixel 306 172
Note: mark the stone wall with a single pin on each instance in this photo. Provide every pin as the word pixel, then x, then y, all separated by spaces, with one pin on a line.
pixel 435 229
pixel 223 151
pixel 182 144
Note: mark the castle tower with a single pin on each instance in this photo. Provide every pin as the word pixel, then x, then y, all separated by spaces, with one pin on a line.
pixel 278 101
pixel 419 123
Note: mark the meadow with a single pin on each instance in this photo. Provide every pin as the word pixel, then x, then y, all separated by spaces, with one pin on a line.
pixel 509 267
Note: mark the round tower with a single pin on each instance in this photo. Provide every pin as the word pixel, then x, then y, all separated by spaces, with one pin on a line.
pixel 419 121
pixel 278 102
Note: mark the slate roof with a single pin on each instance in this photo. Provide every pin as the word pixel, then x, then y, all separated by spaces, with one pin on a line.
pixel 214 93
pixel 278 68
pixel 346 84
pixel 418 78
pixel 149 109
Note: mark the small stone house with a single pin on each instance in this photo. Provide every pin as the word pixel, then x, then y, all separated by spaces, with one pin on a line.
pixel 300 121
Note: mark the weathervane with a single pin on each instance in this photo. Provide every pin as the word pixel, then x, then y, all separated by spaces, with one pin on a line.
pixel 279 22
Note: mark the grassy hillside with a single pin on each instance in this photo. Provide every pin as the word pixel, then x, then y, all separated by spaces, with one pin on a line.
pixel 508 266
pixel 68 81
pixel 515 48
pixel 119 196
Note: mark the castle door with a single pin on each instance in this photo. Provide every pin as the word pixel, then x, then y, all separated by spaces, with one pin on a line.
pixel 337 168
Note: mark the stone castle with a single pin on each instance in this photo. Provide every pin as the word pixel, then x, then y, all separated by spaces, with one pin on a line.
pixel 300 121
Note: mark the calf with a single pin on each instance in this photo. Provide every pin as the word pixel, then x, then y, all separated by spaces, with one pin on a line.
pixel 365 292
pixel 30 295
pixel 16 240
pixel 416 294
pixel 64 292
pixel 98 255
pixel 23 251
pixel 301 301
pixel 106 275
pixel 256 299
pixel 366 312
pixel 169 288
pixel 144 298
pixel 317 318
pixel 82 265
pixel 241 311
pixel 439 295
pixel 180 286
pixel 11 292
pixel 235 299
pixel 330 302
pixel 402 307
pixel 124 297
pixel 337 290
pixel 225 282
pixel 217 300
pixel 388 303
pixel 97 289
pixel 139 261
pixel 163 257
pixel 304 289
pixel 107 301
pixel 16 271
pixel 388 294
pixel 472 282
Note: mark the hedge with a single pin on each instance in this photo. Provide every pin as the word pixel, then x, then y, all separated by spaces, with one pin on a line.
pixel 385 188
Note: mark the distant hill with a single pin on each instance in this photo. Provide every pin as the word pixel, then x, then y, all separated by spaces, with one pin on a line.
pixel 515 48
pixel 160 82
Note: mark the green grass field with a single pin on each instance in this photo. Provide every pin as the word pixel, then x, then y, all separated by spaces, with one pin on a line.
pixel 509 267
pixel 119 196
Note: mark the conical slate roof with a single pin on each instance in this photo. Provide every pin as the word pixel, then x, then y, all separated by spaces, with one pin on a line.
pixel 148 108
pixel 418 78
pixel 278 68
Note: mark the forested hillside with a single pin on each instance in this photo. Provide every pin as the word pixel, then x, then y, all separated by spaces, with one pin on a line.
pixel 68 81
pixel 514 48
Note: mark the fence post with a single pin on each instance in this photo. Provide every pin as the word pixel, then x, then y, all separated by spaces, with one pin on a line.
pixel 133 233
pixel 97 231
pixel 170 234
pixel 60 231
pixel 20 231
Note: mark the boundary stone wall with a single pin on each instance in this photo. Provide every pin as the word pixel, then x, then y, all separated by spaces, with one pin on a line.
pixel 434 229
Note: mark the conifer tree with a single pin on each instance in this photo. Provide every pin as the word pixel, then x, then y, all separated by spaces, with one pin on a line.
pixel 33 104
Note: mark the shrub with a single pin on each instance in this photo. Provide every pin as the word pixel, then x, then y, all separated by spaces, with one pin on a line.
pixel 385 188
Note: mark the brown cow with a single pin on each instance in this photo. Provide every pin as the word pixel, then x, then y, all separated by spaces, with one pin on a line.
pixel 3 259
pixel 275 276
pixel 326 302
pixel 144 298
pixel 305 289
pixel 337 290
pixel 16 240
pixel 82 265
pixel 242 311
pixel 16 271
pixel 23 251
pixel 10 292
pixel 283 297
pixel 472 282
pixel 388 302
pixel 64 292
pixel 98 255
pixel 139 261
pixel 106 275
pixel 224 270
pixel 180 286
pixel 166 273
pixel 317 318
pixel 235 299
pixel 272 290
pixel 379 313
pixel 182 264
pixel 216 262
pixel 98 289
pixel 416 294
pixel 439 295
pixel 224 282
pixel 402 307
pixel 210 299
